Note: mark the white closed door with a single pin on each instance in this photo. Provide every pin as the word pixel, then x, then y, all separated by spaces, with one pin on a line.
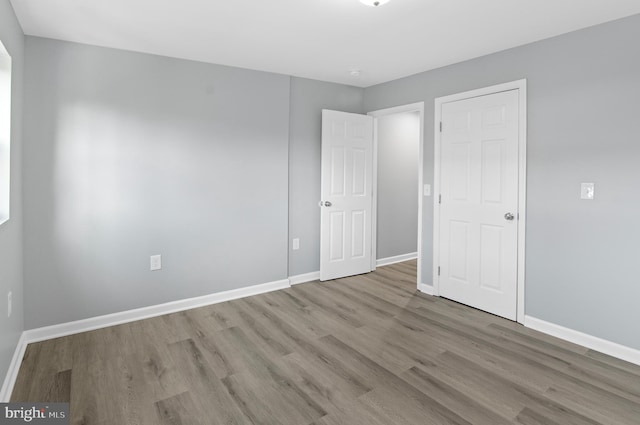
pixel 479 201
pixel 346 194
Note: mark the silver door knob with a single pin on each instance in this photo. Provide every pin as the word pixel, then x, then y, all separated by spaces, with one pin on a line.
pixel 327 204
pixel 508 216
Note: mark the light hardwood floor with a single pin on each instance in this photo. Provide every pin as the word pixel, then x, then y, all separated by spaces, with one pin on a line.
pixel 364 350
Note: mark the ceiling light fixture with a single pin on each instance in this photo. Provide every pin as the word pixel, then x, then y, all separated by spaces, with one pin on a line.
pixel 355 72
pixel 374 3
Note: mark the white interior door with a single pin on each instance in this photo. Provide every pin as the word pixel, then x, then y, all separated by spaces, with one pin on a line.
pixel 479 202
pixel 346 203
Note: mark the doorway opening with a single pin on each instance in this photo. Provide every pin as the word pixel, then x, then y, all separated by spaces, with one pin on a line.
pixel 398 185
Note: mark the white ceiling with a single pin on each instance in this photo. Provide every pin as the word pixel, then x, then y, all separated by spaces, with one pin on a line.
pixel 320 39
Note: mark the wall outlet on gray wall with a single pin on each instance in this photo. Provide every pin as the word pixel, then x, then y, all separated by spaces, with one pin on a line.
pixel 155 262
pixel 587 191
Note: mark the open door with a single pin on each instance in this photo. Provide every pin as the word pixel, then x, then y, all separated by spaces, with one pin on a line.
pixel 346 194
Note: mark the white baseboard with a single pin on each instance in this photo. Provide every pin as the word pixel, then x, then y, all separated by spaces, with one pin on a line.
pixel 14 367
pixel 78 326
pixel 598 344
pixel 40 334
pixel 304 278
pixel 426 289
pixel 70 328
pixel 397 259
pixel 310 277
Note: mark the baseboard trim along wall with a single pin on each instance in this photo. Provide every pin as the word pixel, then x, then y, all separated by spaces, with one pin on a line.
pixel 90 324
pixel 14 367
pixel 49 332
pixel 310 277
pixel 598 344
pixel 425 289
pixel 396 259
pixel 304 278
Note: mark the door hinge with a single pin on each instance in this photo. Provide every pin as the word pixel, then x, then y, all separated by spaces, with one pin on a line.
pixel 439 199
pixel 438 270
pixel 440 126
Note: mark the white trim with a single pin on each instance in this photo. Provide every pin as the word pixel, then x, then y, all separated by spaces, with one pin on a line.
pixel 436 198
pixel 522 198
pixel 396 259
pixel 304 278
pixel 521 86
pixel 14 367
pixel 98 322
pixel 92 323
pixel 594 343
pixel 374 196
pixel 425 289
pixel 6 141
pixel 420 194
pixel 310 277
pixel 412 107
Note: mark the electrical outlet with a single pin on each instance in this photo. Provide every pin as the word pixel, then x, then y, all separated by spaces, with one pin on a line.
pixel 9 303
pixel 155 262
pixel 587 191
pixel 296 244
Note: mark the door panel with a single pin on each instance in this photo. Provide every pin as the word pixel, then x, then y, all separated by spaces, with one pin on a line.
pixel 493 167
pixel 358 223
pixel 459 249
pixel 336 227
pixel 460 171
pixel 479 185
pixel 337 171
pixel 490 256
pixel 347 164
pixel 359 172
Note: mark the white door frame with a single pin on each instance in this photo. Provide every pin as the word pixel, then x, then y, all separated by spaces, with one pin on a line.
pixel 413 107
pixel 521 86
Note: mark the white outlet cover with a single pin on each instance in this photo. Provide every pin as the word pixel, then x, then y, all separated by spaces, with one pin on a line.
pixel 296 244
pixel 155 262
pixel 587 191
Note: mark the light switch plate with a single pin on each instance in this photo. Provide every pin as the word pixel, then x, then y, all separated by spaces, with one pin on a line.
pixel 427 190
pixel 587 191
pixel 296 244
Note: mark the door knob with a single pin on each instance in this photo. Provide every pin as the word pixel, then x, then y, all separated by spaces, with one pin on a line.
pixel 508 216
pixel 327 204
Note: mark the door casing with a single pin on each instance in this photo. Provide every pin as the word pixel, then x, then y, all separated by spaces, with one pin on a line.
pixel 521 86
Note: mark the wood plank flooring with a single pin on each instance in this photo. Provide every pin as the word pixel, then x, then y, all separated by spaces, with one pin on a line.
pixel 364 350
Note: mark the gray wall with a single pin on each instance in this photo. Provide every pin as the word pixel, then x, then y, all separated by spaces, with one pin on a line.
pixel 11 231
pixel 120 147
pixel 583 126
pixel 128 155
pixel 308 98
pixel 397 220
